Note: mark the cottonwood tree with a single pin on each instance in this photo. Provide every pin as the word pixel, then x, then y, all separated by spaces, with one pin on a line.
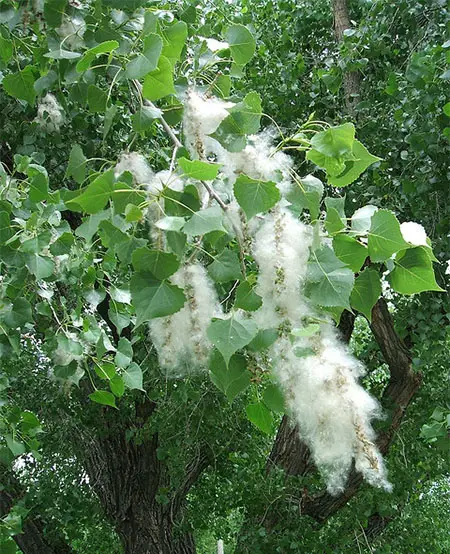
pixel 163 256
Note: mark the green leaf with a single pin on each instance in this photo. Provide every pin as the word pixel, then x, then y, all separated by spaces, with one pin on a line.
pixel 413 272
pixel 196 169
pixel 133 213
pixel 355 167
pixel 90 55
pixel 333 222
pixel 273 399
pixel 246 298
pixel 333 166
pixel 117 386
pixel 103 397
pixel 205 221
pixel 147 61
pixel 90 225
pixel 170 223
pixel 5 227
pixel 153 298
pixel 385 237
pixel 264 339
pixel 97 99
pixel 125 195
pixel 446 109
pixel 308 331
pixel 362 219
pixel 230 335
pixel 255 196
pixel 144 117
pixel 242 43
pixel 244 119
pixel 40 266
pixel 76 167
pixel 45 82
pixel 160 264
pixel 97 194
pixel 61 54
pixel 366 292
pixel 53 12
pixel 109 118
pixel 335 141
pixel 159 83
pixel 231 380
pixel 132 377
pixel 105 371
pixel 306 193
pixel 350 251
pixel 338 204
pixel 6 49
pixel 331 281
pixel 16 447
pixel 38 183
pixel 21 85
pixel 225 267
pixel 260 416
pixel 174 38
pixel 124 353
pixel 20 313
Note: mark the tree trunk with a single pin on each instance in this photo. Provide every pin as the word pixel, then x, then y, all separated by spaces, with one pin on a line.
pixel 351 79
pixel 132 484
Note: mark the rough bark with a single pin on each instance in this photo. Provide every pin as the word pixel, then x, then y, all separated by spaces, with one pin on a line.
pixel 351 79
pixel 33 539
pixel 127 478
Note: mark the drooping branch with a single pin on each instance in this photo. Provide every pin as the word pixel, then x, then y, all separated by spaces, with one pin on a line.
pixel 193 471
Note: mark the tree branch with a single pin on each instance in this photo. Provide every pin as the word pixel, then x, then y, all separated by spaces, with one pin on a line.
pixel 193 471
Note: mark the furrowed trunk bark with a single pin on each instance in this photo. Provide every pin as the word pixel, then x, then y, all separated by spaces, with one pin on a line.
pixel 131 483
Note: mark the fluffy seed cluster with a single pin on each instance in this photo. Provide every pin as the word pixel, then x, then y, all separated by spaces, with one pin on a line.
pixel 71 32
pixel 180 339
pixel 319 376
pixel 137 165
pixel 50 114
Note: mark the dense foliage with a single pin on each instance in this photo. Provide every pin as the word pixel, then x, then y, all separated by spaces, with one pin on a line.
pixel 143 174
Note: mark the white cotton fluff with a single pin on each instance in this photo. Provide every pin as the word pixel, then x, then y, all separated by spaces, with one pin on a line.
pixel 332 410
pixel 163 179
pixel 259 160
pixel 180 339
pixel 201 118
pixel 50 114
pixel 414 233
pixel 281 249
pixel 71 32
pixel 137 165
